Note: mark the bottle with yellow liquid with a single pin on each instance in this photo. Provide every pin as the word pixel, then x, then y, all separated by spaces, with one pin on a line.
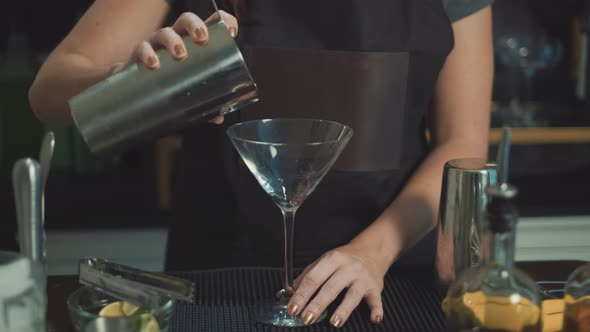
pixel 576 317
pixel 495 296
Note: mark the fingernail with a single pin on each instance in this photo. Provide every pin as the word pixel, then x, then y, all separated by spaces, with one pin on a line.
pixel 292 309
pixel 179 50
pixel 232 32
pixel 152 62
pixel 308 318
pixel 336 321
pixel 378 319
pixel 201 34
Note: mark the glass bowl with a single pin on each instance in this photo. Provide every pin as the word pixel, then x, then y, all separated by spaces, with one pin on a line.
pixel 85 303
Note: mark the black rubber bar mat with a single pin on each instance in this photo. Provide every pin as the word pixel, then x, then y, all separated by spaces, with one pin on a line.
pixel 223 299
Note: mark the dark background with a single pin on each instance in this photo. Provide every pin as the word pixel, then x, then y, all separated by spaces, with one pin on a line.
pixel 85 192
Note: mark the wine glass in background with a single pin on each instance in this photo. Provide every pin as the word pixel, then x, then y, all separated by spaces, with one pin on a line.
pixel 527 52
pixel 288 158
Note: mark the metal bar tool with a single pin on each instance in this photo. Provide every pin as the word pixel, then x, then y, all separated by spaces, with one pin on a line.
pixel 142 288
pixel 26 178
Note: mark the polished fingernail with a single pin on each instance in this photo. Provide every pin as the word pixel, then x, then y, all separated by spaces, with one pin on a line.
pixel 293 309
pixel 179 51
pixel 201 34
pixel 336 321
pixel 378 319
pixel 152 62
pixel 219 119
pixel 233 32
pixel 308 318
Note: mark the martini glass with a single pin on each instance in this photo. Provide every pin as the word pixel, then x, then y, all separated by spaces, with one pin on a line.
pixel 289 158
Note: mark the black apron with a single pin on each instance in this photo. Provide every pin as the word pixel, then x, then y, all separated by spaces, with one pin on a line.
pixel 370 64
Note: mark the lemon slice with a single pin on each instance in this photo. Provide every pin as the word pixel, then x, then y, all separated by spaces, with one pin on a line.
pixel 129 309
pixel 149 324
pixel 112 310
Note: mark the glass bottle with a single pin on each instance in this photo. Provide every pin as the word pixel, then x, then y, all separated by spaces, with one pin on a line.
pixel 495 296
pixel 576 317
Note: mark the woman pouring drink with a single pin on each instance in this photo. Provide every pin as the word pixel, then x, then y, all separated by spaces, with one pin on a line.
pixel 391 69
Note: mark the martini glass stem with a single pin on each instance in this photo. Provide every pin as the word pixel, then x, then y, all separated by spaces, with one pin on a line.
pixel 288 222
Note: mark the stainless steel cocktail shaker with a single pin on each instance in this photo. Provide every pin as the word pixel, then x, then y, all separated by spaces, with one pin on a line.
pixel 139 104
pixel 462 207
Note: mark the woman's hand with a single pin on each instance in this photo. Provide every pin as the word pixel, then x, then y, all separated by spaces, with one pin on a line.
pixel 170 38
pixel 347 267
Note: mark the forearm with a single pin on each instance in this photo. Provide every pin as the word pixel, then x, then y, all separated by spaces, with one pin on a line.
pixel 459 126
pixel 106 34
pixel 413 213
pixel 60 78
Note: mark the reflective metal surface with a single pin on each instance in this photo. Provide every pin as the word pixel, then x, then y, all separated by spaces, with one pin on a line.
pixel 103 324
pixel 502 188
pixel 26 179
pixel 45 158
pixel 140 104
pixel 462 208
pixel 503 156
pixel 142 288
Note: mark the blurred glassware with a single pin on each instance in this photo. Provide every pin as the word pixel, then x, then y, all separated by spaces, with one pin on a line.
pixel 86 307
pixel 22 294
pixel 551 289
pixel 528 52
pixel 577 301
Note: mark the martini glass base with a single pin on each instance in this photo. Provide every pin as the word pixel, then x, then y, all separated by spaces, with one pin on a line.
pixel 275 313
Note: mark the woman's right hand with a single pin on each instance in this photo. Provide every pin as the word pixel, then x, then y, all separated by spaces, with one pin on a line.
pixel 170 38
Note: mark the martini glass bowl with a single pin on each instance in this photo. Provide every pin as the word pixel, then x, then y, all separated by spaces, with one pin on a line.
pixel 288 158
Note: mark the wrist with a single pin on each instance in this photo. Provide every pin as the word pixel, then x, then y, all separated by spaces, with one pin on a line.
pixel 380 244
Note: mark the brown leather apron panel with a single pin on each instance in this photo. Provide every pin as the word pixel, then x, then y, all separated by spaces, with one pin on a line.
pixel 364 90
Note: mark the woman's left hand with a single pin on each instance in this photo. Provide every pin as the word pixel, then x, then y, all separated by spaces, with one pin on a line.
pixel 344 267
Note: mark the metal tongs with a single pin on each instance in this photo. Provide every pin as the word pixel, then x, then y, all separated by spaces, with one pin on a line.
pixel 142 288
